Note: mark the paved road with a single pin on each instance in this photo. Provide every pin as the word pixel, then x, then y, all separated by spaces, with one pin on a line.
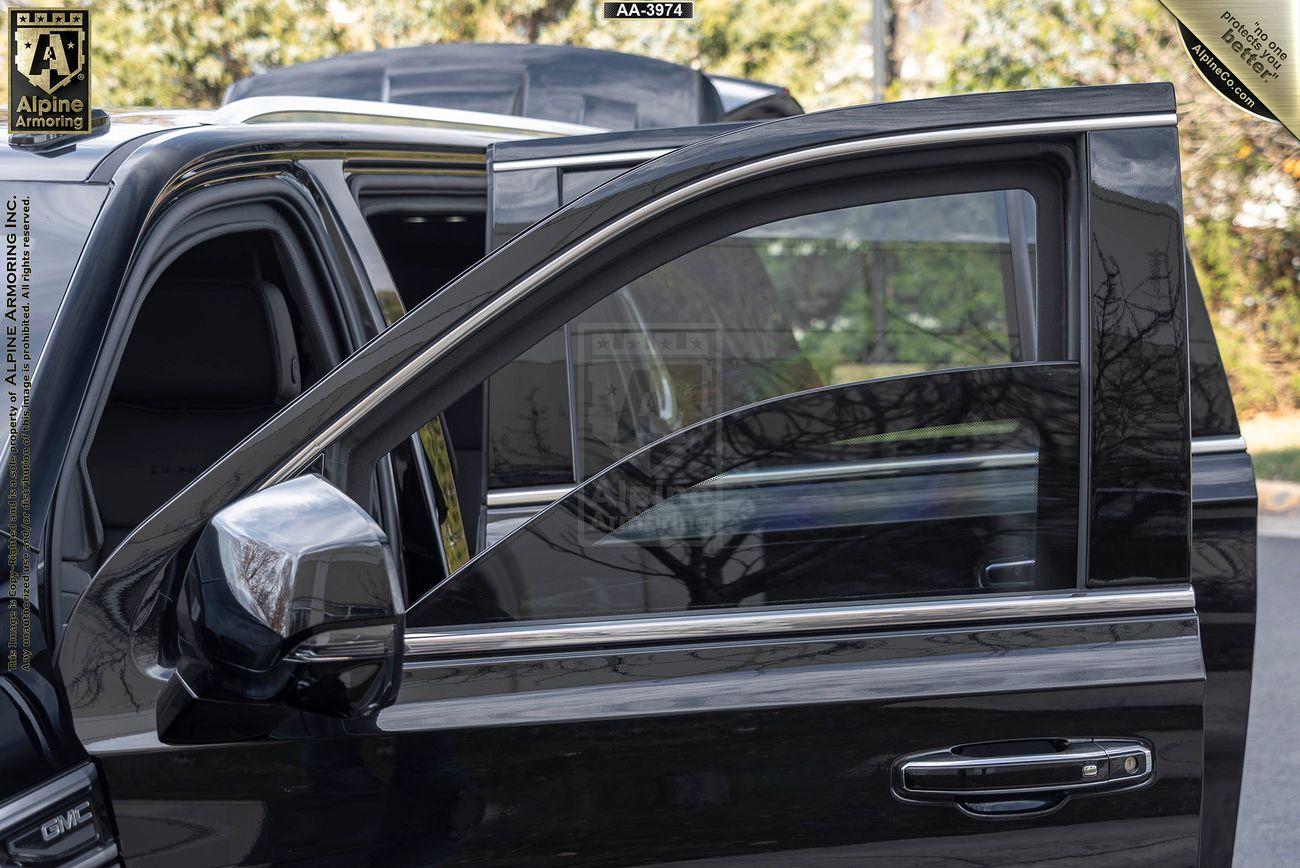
pixel 1268 830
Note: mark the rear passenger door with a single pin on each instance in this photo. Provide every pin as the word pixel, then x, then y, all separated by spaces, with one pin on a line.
pixel 866 534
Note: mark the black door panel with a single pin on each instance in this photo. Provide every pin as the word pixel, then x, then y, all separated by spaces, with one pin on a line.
pixel 1222 556
pixel 1224 516
pixel 775 736
pixel 777 750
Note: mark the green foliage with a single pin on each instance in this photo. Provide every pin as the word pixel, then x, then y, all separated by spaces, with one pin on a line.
pixel 1250 278
pixel 186 52
pixel 944 307
pixel 1284 465
pixel 1240 174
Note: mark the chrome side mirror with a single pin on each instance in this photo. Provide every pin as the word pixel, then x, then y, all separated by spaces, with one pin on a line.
pixel 290 608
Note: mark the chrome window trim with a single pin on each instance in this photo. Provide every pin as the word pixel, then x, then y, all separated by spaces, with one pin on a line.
pixel 786 621
pixel 588 244
pixel 839 470
pixel 610 158
pixel 504 498
pixel 249 109
pixel 1218 445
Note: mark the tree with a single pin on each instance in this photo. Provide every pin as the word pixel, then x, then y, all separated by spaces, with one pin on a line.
pixel 1240 173
pixel 186 52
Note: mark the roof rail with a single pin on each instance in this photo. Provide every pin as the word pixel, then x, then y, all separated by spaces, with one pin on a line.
pixel 312 109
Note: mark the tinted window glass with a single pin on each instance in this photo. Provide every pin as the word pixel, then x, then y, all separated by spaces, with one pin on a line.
pixel 61 216
pixel 1213 414
pixel 946 483
pixel 529 439
pixel 834 297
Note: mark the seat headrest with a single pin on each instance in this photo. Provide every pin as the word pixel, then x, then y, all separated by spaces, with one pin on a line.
pixel 217 345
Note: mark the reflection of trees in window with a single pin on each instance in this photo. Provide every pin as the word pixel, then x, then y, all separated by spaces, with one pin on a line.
pixel 528 428
pixel 802 540
pixel 1140 407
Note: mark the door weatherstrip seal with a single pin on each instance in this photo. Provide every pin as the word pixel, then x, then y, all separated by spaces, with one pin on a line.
pixel 707 626
pixel 586 245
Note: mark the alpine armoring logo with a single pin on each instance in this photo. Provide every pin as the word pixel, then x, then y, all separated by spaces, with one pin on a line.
pixel 49 81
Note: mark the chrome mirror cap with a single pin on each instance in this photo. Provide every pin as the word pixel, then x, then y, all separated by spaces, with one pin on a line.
pixel 291 604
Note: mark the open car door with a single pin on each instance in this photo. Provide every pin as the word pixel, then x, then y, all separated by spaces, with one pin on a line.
pixel 876 546
pixel 530 179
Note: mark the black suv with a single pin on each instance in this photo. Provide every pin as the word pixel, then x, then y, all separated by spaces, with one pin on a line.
pixel 614 476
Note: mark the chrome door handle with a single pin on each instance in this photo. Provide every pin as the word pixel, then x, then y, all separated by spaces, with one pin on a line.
pixel 1022 776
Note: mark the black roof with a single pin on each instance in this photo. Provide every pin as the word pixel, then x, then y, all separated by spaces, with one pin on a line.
pixel 551 82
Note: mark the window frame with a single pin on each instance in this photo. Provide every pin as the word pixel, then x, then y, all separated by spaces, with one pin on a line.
pixel 394 188
pixel 1052 202
pixel 943 170
pixel 276 205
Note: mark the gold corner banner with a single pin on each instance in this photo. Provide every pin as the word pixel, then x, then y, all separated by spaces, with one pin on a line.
pixel 1249 51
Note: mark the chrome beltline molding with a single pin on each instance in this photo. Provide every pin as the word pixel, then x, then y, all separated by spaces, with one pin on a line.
pixel 612 158
pixel 504 498
pixel 422 706
pixel 545 495
pixel 788 621
pixel 1217 445
pixel 875 467
pixel 1108 663
pixel 589 243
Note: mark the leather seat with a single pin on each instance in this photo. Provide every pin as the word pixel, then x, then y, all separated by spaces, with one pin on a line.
pixel 206 364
